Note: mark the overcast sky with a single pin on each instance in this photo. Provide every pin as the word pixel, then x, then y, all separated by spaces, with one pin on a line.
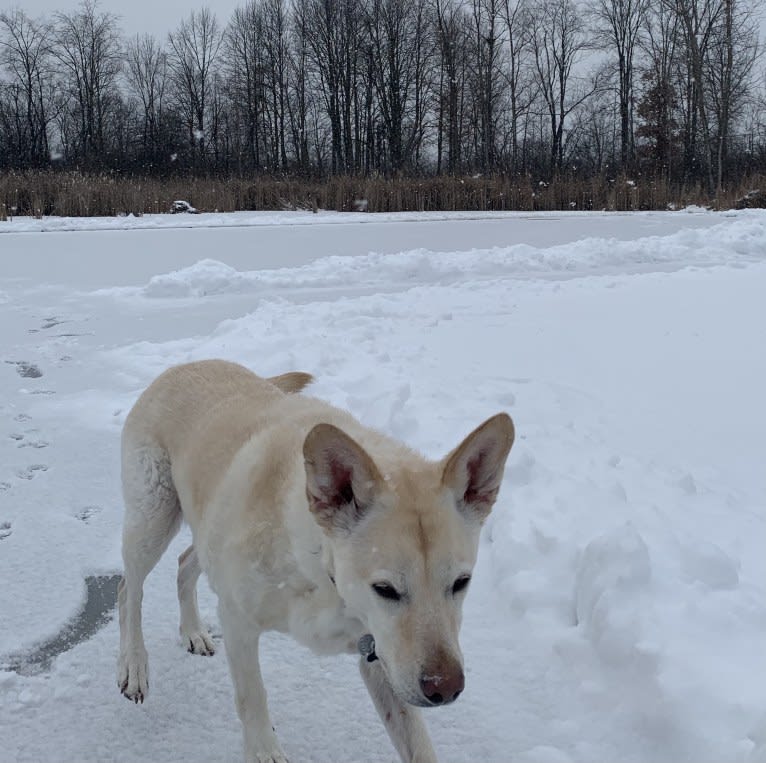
pixel 157 17
pixel 163 16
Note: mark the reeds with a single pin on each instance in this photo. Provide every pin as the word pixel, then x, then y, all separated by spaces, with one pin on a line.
pixel 71 194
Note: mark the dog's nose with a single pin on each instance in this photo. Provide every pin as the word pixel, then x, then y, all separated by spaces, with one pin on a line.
pixel 441 689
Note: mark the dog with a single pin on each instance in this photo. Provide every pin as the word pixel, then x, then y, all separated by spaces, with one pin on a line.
pixel 308 523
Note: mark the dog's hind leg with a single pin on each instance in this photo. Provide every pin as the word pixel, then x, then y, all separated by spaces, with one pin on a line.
pixel 194 635
pixel 152 518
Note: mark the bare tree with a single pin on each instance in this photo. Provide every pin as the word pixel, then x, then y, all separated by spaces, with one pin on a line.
pixel 619 24
pixel 88 48
pixel 596 132
pixel 697 20
pixel 300 98
pixel 520 88
pixel 487 48
pixel 451 40
pixel 400 49
pixel 277 67
pixel 194 49
pixel 25 55
pixel 147 78
pixel 558 41
pixel 335 37
pixel 658 105
pixel 323 87
pixel 243 62
pixel 729 65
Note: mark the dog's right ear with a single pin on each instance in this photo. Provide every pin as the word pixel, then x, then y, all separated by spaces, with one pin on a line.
pixel 341 478
pixel 474 470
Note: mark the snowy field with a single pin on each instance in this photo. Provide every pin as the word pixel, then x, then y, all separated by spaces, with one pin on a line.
pixel 618 611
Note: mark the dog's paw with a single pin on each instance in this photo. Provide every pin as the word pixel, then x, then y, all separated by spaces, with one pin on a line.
pixel 133 676
pixel 275 756
pixel 266 751
pixel 198 642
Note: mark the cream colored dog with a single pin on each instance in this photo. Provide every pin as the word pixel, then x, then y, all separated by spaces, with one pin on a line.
pixel 307 523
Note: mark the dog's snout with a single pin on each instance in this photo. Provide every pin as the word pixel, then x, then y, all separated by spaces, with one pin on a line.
pixel 441 687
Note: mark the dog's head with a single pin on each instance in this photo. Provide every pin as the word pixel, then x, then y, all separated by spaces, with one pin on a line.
pixel 403 541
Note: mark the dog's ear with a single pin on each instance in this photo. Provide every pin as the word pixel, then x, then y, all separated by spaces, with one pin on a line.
pixel 341 478
pixel 474 470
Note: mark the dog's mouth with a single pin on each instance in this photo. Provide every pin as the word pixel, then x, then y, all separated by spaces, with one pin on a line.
pixel 418 700
pixel 366 648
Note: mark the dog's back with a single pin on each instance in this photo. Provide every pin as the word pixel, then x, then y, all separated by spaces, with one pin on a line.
pixel 194 417
pixel 182 400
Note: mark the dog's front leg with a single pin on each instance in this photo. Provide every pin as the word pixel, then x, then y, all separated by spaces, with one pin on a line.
pixel 403 722
pixel 261 744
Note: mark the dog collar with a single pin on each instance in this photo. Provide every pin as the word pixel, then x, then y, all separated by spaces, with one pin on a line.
pixel 366 647
pixel 366 644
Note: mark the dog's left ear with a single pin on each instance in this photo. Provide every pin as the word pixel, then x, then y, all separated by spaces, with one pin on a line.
pixel 341 478
pixel 474 470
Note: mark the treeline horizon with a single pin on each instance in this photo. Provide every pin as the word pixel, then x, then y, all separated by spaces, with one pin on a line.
pixel 669 91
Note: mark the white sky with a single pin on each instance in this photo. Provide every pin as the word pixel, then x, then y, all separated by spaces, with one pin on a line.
pixel 159 18
pixel 136 16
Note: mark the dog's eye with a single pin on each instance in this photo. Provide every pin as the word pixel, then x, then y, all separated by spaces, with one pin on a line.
pixel 460 584
pixel 386 591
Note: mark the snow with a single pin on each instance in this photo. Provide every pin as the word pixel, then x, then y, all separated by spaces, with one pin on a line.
pixel 619 604
pixel 383 271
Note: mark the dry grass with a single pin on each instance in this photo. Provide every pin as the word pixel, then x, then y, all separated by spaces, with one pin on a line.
pixel 77 195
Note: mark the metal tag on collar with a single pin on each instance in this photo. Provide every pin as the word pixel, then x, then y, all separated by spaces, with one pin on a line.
pixel 366 647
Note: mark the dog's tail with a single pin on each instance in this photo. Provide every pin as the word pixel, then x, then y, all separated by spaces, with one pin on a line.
pixel 292 382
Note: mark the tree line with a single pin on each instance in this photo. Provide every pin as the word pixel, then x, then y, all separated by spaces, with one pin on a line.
pixel 672 89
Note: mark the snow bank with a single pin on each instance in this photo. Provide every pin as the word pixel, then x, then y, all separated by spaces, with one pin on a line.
pixel 203 279
pixel 727 243
pixel 614 569
pixel 618 607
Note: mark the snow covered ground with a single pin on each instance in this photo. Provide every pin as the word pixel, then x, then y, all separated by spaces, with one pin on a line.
pixel 618 610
